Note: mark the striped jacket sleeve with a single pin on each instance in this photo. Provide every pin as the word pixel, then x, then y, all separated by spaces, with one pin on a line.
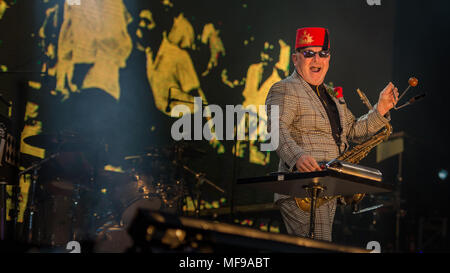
pixel 365 126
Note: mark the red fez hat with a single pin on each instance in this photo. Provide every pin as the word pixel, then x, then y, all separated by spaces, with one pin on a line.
pixel 312 36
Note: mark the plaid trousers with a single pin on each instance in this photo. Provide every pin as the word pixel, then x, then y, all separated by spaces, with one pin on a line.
pixel 297 221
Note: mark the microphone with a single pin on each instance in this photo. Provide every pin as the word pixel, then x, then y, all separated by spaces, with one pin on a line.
pixel 416 98
pixel 169 100
pixel 367 209
pixel 412 100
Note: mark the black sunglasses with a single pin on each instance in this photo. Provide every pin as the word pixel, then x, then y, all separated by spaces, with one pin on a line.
pixel 310 53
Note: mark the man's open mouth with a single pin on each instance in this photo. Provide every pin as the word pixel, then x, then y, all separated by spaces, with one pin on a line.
pixel 315 69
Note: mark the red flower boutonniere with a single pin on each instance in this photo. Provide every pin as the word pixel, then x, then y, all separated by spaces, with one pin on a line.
pixel 339 91
pixel 336 92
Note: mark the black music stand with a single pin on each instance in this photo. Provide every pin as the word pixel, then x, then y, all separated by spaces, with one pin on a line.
pixel 317 184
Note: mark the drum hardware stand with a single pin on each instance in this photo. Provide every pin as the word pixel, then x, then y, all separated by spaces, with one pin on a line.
pixel 235 167
pixel 200 177
pixel 13 211
pixel 397 203
pixel 314 190
pixel 195 199
pixel 75 202
pixel 3 196
pixel 3 192
pixel 32 206
pixel 168 109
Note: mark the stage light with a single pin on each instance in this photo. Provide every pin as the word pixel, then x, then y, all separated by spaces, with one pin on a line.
pixel 443 174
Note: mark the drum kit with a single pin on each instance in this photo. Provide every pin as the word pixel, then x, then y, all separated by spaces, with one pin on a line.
pixel 70 198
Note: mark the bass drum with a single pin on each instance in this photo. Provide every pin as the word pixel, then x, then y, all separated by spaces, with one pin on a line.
pixel 137 193
pixel 143 192
pixel 120 195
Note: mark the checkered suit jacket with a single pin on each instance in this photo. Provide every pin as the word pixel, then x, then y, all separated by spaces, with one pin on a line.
pixel 304 127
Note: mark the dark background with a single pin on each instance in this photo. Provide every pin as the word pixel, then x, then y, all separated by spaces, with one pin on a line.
pixel 371 45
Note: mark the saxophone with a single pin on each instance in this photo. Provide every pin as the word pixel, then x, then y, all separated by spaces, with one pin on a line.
pixel 354 155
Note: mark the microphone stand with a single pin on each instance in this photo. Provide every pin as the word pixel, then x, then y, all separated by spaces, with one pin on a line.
pixel 397 203
pixel 5 102
pixel 32 202
pixel 170 100
pixel 200 177
pixel 168 108
pixel 3 192
pixel 23 72
pixel 3 197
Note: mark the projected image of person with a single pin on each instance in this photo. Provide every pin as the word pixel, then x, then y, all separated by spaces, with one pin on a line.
pixel 92 47
pixel 170 66
pixel 315 125
pixel 93 33
pixel 259 78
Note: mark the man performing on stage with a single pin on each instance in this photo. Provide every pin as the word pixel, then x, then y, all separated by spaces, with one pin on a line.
pixel 315 124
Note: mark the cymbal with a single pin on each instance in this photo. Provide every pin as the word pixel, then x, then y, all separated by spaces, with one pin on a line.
pixel 150 155
pixel 174 150
pixel 105 177
pixel 65 142
pixel 191 151
pixel 156 157
pixel 66 187
pixel 26 160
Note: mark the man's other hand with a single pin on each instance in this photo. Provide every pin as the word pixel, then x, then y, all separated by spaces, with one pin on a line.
pixel 307 163
pixel 388 99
